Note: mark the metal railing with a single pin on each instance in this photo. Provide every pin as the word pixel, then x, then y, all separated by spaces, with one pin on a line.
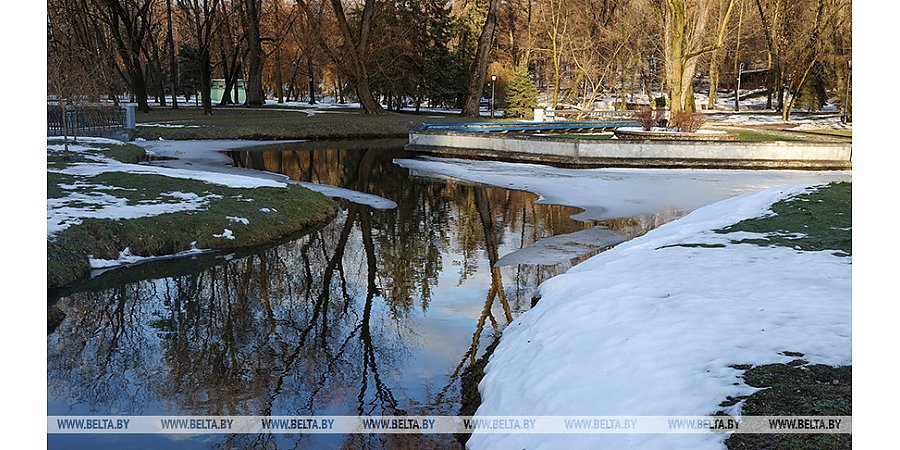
pixel 90 120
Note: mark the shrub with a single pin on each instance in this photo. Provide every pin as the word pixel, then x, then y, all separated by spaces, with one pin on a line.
pixel 647 116
pixel 688 121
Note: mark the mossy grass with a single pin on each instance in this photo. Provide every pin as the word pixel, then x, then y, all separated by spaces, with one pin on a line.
pixel 764 135
pixel 796 389
pixel 271 212
pixel 819 220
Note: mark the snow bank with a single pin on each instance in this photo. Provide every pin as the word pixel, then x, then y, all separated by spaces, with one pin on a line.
pixel 615 193
pixel 647 329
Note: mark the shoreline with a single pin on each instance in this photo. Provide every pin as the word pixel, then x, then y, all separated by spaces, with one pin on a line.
pixel 194 211
pixel 588 325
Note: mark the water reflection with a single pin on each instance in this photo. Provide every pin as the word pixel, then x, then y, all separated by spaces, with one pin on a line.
pixel 376 313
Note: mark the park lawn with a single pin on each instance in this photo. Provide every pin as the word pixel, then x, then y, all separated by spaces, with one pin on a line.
pixel 106 216
pixel 766 135
pixel 274 122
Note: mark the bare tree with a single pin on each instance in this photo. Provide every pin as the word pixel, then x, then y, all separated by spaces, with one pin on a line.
pixel 478 70
pixel 250 17
pixel 202 14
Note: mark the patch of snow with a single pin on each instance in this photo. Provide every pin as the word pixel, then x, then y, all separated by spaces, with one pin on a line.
pixel 242 220
pixel 649 329
pixel 76 206
pixel 227 234
pixel 564 247
pixel 167 125
pixel 268 210
pixel 354 196
pixel 615 193
pixel 99 266
pixel 110 165
pixel 89 139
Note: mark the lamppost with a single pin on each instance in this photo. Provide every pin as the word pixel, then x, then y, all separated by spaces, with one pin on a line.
pixel 493 84
pixel 737 92
pixel 845 117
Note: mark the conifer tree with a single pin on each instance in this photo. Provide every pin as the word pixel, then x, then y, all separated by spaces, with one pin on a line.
pixel 521 95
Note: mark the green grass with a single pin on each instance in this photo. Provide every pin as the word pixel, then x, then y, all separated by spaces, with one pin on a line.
pixel 795 389
pixel 293 209
pixel 763 135
pixel 274 123
pixel 820 220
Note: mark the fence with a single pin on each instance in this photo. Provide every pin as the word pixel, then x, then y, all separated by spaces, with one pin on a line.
pixel 92 120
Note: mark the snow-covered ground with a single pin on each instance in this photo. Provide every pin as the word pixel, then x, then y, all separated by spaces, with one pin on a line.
pixel 650 328
pixel 615 193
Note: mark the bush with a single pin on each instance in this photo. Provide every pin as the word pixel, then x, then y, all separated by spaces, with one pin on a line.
pixel 647 116
pixel 687 121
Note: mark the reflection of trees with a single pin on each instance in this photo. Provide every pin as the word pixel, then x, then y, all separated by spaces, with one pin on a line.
pixel 319 325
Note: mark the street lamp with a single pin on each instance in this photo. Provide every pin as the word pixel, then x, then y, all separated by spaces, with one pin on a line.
pixel 493 84
pixel 737 91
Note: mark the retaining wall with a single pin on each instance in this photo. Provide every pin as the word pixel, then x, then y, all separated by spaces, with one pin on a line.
pixel 634 153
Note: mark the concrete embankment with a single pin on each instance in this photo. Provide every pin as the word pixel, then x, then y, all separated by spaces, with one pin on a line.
pixel 581 152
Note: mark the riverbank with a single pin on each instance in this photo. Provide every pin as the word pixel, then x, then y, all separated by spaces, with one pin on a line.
pixel 669 324
pixel 104 209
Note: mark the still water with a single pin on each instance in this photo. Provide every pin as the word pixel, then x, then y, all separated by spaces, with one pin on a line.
pixel 376 313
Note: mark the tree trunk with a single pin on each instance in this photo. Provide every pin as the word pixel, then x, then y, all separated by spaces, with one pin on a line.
pixel 478 70
pixel 205 82
pixel 311 76
pixel 356 51
pixel 173 66
pixel 255 56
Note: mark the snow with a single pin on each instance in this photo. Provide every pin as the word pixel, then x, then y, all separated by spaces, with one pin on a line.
pixel 76 206
pixel 227 234
pixel 242 220
pixel 88 139
pixel 167 125
pixel 563 247
pixel 268 210
pixel 649 329
pixel 615 193
pixel 104 165
pixel 126 258
pixel 361 198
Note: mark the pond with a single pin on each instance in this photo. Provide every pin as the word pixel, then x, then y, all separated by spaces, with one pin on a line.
pixel 376 313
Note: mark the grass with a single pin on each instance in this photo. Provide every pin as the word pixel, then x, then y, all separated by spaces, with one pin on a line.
pixel 292 208
pixel 272 122
pixel 792 389
pixel 763 135
pixel 819 220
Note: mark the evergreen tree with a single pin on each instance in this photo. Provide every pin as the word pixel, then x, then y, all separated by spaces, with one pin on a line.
pixel 521 95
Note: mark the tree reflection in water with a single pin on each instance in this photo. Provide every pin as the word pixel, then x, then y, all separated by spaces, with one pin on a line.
pixel 364 316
